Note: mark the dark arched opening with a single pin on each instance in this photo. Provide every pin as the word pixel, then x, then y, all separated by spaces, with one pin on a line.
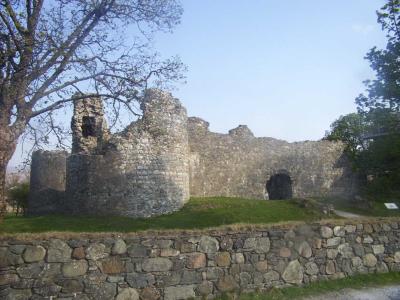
pixel 88 126
pixel 279 187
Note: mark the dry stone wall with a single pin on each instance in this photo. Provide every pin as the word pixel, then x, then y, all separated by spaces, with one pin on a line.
pixel 195 264
pixel 239 164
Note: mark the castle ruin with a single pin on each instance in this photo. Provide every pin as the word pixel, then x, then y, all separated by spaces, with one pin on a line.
pixel 155 164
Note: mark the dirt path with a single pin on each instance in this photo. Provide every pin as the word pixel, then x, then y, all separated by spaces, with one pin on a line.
pixel 383 293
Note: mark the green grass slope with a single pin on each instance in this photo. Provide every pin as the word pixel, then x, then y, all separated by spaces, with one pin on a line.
pixel 198 213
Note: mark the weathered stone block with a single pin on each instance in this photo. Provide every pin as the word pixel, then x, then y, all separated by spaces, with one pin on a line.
pixel 378 249
pixel 397 257
pixel 331 253
pixel 271 276
pixel 127 294
pixel 238 258
pixel 78 253
pixel 223 259
pixel 179 292
pixel 259 245
pixel 137 250
pixel 191 277
pixel 214 273
pixel 32 270
pixel 285 252
pixel 75 268
pixel 381 267
pixel 205 288
pixel 112 265
pixel 6 279
pixel 150 293
pixel 158 264
pixel 304 249
pixel 369 260
pixel 34 253
pixel 332 242
pixel 196 260
pixel 58 251
pixel 24 294
pixel 119 247
pixel 227 284
pixel 169 252
pixel 208 244
pixel 96 251
pixel 330 267
pixel 262 266
pixel 293 273
pixel 311 268
pixel 70 286
pixel 368 240
pixel 326 232
pixel 339 231
pixel 350 228
pixel 140 280
pixel 345 250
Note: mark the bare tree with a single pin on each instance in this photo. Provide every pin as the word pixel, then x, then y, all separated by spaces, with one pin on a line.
pixel 50 50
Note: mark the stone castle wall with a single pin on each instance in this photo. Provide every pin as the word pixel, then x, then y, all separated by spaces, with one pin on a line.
pixel 146 170
pixel 199 264
pixel 47 182
pixel 140 172
pixel 89 126
pixel 239 164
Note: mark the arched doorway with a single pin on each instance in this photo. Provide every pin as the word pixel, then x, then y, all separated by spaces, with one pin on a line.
pixel 279 187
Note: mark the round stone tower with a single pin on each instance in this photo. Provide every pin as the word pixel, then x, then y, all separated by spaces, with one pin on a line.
pixel 140 172
pixel 47 182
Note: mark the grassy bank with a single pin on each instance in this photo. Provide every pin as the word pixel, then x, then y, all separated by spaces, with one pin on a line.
pixel 322 287
pixel 198 213
pixel 377 206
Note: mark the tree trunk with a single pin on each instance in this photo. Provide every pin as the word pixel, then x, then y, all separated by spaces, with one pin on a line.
pixel 7 147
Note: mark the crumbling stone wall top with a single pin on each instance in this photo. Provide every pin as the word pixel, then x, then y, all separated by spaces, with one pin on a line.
pixel 89 126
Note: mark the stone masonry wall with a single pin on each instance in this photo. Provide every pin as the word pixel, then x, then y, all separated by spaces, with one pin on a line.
pixel 147 169
pixel 89 126
pixel 141 172
pixel 193 264
pixel 239 165
pixel 47 182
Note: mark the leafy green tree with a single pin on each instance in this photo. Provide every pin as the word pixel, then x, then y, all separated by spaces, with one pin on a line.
pixel 379 108
pixel 349 129
pixel 384 91
pixel 18 197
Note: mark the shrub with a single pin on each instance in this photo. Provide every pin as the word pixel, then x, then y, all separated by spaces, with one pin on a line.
pixel 17 197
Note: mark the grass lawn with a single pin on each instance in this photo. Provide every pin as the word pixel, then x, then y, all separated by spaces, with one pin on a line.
pixel 378 208
pixel 198 213
pixel 321 287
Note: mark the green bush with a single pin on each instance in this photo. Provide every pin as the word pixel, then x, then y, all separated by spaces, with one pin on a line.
pixel 18 197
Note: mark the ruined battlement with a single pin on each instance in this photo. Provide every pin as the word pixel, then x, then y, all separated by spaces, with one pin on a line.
pixel 156 163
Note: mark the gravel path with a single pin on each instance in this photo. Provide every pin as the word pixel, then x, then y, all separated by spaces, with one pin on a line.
pixel 347 215
pixel 384 293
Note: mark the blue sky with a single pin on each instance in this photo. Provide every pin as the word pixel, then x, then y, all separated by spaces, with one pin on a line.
pixel 287 69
